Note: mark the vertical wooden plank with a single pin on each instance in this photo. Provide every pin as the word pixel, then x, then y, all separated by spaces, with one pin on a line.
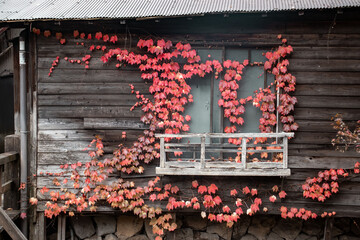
pixel 285 152
pixel 243 152
pixel 329 223
pixel 61 227
pixel 202 153
pixel 162 152
pixel 40 227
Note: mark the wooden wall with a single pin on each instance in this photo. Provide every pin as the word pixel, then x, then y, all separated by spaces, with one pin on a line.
pixel 74 104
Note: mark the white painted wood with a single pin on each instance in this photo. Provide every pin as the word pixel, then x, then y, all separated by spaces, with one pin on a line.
pixel 222 172
pixel 285 152
pixel 162 153
pixel 202 154
pixel 228 135
pixel 243 152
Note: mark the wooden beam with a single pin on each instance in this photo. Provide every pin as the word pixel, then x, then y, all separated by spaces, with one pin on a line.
pixel 10 226
pixel 8 157
pixel 222 172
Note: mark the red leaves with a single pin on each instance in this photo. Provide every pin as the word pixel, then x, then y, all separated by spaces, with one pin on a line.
pixel 202 189
pixel 194 184
pixel 212 189
pixel 114 39
pixel 76 33
pixel 47 33
pixel 272 198
pixel 98 35
pixel 282 194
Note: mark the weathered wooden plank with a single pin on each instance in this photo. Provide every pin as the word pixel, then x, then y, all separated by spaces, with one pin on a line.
pixel 87 100
pixel 327 77
pixel 315 126
pixel 322 153
pixel 226 135
pixel 60 123
pixel 328 101
pixel 95 63
pixel 90 76
pixel 321 65
pixel 87 112
pixel 312 137
pixel 221 165
pixel 8 157
pixel 90 88
pixel 113 123
pixel 322 162
pixel 328 90
pixel 326 113
pixel 326 53
pixel 63 158
pixel 68 146
pixel 108 135
pixel 222 172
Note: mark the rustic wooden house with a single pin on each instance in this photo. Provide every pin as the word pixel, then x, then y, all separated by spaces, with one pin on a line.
pixel 64 109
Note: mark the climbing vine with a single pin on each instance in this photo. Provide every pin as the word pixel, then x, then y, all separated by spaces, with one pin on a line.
pixel 169 68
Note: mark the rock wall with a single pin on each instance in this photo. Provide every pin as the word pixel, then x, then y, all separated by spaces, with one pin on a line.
pixel 261 227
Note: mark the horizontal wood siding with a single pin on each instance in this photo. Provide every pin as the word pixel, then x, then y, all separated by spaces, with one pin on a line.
pixel 75 104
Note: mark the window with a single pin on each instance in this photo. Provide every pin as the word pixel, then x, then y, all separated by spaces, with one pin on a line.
pixel 205 150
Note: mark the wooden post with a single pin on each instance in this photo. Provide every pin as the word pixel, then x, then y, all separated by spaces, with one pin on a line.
pixel 329 223
pixel 285 152
pixel 61 227
pixel 243 152
pixel 40 227
pixel 162 152
pixel 202 153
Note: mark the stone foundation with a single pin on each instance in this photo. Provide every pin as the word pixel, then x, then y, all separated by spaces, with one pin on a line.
pixel 261 227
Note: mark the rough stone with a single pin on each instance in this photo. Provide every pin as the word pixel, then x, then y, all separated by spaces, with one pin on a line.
pixel 288 229
pixel 261 226
pixel 105 225
pixel 312 228
pixel 83 226
pixel 274 236
pixel 139 237
pixel 128 226
pixel 248 237
pixel 313 238
pixel 241 227
pixel 206 236
pixel 335 231
pixel 347 237
pixel 181 234
pixel 149 231
pixel 220 229
pixel 110 237
pixel 302 236
pixel 343 223
pixel 195 222
pixel 95 237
